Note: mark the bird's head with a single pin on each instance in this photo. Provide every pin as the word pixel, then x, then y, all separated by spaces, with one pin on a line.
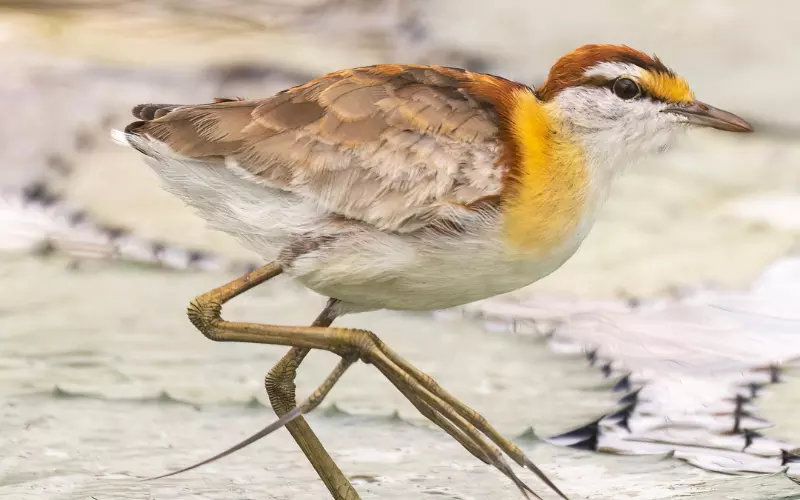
pixel 624 104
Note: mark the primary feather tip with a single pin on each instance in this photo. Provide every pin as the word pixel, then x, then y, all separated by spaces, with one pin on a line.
pixel 119 137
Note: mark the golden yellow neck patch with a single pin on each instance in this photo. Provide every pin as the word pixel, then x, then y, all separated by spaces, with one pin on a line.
pixel 549 192
pixel 670 88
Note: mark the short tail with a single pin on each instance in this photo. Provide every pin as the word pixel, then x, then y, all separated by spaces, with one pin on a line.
pixel 192 131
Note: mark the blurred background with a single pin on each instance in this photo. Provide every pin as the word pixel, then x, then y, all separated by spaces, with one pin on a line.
pixel 669 344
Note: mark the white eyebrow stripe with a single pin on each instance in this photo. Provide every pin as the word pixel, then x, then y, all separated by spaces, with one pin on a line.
pixel 612 70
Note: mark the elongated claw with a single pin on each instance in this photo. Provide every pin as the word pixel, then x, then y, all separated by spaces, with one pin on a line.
pixel 421 386
pixel 309 404
pixel 285 419
pixel 546 480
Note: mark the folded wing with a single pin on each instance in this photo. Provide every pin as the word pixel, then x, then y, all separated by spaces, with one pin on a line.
pixel 397 147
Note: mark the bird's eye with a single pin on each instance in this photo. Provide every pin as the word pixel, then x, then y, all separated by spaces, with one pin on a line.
pixel 625 88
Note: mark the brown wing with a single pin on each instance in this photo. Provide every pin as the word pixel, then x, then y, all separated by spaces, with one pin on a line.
pixel 398 147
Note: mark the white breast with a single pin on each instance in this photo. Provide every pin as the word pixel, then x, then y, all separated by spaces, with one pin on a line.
pixel 376 270
pixel 360 265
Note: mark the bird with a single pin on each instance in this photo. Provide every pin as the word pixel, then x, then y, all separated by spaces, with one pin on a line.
pixel 411 188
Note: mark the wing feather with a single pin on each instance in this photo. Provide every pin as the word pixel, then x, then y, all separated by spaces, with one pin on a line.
pixel 398 147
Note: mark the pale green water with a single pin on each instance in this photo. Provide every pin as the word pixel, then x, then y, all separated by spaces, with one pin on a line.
pixel 104 382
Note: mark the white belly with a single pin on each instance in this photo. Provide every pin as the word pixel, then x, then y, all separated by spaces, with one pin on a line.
pixel 405 273
pixel 364 267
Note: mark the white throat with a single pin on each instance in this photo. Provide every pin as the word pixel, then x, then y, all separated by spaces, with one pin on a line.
pixel 614 134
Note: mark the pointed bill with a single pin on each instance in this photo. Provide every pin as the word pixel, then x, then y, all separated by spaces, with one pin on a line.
pixel 705 115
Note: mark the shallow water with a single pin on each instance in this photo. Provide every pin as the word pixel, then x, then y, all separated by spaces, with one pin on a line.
pixel 105 382
pixel 105 457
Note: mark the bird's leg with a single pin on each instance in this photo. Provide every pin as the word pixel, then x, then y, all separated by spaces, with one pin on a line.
pixel 280 386
pixel 280 389
pixel 207 308
pixel 455 418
